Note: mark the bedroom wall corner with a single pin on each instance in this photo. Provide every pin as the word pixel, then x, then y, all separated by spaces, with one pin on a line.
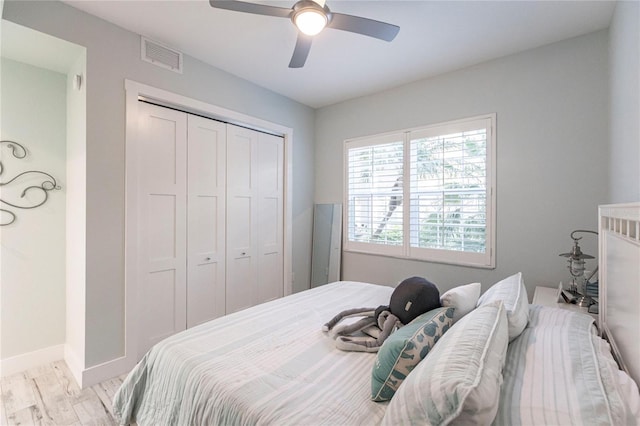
pixel 624 103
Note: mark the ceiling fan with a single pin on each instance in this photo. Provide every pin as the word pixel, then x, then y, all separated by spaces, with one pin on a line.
pixel 311 17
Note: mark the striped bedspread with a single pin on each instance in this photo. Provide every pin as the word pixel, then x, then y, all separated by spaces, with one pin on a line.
pixel 559 372
pixel 269 364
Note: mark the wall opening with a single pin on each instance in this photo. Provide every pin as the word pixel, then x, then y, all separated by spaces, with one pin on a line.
pixel 43 107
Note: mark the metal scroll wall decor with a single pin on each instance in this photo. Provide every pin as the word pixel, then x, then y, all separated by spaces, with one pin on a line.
pixel 48 183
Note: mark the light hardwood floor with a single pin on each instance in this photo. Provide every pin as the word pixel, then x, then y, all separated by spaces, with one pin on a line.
pixel 48 395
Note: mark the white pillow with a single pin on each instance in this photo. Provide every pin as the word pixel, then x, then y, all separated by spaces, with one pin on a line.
pixel 463 299
pixel 512 292
pixel 459 380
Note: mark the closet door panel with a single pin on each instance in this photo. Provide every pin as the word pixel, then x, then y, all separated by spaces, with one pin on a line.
pixel 240 230
pixel 268 224
pixel 160 309
pixel 162 238
pixel 242 215
pixel 205 301
pixel 160 146
pixel 163 245
pixel 270 164
pixel 270 282
pixel 270 218
pixel 206 220
pixel 240 159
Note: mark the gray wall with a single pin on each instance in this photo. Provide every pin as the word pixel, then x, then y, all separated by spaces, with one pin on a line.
pixel 552 131
pixel 624 75
pixel 32 313
pixel 113 55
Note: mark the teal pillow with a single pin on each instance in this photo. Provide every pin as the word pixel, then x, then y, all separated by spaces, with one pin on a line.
pixel 404 349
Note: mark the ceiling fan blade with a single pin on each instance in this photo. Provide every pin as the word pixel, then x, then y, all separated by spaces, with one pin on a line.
pixel 301 51
pixel 364 26
pixel 258 9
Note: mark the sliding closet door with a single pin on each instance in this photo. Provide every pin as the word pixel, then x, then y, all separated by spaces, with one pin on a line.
pixel 270 217
pixel 211 230
pixel 242 218
pixel 162 237
pixel 254 217
pixel 206 220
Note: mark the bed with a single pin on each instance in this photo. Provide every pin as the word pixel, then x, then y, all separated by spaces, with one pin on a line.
pixel 505 362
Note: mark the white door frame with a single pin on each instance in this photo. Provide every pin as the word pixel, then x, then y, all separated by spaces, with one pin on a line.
pixel 133 92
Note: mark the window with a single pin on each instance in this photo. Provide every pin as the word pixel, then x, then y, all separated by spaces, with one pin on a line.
pixel 424 193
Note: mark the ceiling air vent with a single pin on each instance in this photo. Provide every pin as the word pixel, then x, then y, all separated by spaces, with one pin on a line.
pixel 161 55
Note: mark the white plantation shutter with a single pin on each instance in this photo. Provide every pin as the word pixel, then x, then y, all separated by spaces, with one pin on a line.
pixel 425 193
pixel 375 193
pixel 450 192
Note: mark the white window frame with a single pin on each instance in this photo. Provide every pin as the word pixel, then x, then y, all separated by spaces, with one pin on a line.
pixel 480 260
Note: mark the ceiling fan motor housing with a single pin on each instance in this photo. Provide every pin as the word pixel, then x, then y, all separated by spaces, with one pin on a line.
pixel 309 6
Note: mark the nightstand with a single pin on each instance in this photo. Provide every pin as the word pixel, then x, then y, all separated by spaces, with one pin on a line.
pixel 547 296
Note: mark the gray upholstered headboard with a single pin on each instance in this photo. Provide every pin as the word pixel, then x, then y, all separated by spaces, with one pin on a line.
pixel 619 260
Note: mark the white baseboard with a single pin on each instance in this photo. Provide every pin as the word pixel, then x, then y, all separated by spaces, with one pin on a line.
pixel 76 366
pixel 108 370
pixel 18 363
pixel 85 377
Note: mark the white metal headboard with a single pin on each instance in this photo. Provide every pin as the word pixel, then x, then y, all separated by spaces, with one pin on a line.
pixel 619 259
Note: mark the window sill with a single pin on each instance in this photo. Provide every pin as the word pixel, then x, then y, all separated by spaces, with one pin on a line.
pixel 420 259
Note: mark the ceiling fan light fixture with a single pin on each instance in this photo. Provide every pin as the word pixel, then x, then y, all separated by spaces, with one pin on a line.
pixel 310 21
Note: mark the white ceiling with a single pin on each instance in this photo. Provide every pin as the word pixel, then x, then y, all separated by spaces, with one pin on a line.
pixel 435 37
